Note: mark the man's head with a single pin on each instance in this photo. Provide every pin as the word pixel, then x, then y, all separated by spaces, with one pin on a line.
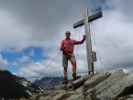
pixel 68 34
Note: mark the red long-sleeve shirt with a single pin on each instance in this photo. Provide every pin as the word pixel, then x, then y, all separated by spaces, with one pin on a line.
pixel 67 45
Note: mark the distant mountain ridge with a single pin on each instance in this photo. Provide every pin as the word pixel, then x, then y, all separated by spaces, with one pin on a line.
pixel 49 83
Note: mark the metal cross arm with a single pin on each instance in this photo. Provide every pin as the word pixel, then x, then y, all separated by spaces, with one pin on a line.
pixel 90 19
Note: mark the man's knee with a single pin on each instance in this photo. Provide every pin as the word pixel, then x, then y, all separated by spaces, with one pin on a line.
pixel 65 70
pixel 74 64
pixel 73 60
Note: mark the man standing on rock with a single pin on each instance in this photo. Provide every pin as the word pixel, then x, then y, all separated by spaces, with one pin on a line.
pixel 67 47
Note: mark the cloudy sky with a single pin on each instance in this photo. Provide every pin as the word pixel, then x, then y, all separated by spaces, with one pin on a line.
pixel 31 32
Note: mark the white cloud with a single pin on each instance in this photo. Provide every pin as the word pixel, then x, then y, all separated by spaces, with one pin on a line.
pixel 11 32
pixel 3 63
pixel 38 70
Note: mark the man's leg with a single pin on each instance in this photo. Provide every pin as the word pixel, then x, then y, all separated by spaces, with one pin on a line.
pixel 65 75
pixel 65 65
pixel 74 67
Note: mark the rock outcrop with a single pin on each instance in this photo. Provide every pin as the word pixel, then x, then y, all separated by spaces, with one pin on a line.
pixel 14 87
pixel 116 85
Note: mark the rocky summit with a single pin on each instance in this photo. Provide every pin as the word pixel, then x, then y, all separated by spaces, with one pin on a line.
pixel 116 85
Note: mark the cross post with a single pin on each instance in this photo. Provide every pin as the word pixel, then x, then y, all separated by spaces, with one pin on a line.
pixel 90 54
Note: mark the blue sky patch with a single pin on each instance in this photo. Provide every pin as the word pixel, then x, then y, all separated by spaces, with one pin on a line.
pixel 13 58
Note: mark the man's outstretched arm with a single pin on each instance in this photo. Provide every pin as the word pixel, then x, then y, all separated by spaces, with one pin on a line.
pixel 80 42
pixel 61 46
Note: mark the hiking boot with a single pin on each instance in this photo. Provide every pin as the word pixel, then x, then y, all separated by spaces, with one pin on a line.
pixel 78 77
pixel 74 76
pixel 65 80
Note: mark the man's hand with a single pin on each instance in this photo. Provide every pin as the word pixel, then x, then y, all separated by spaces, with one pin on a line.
pixel 84 37
pixel 61 49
